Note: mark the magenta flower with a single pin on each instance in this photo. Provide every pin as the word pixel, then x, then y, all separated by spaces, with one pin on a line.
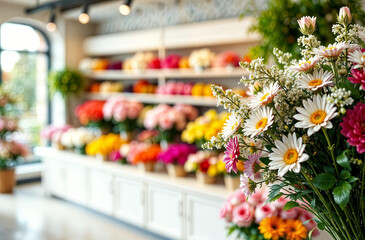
pixel 252 165
pixel 231 155
pixel 353 127
pixel 358 77
pixel 176 154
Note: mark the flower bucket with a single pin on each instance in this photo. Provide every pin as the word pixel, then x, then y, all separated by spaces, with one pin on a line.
pixel 232 183
pixel 58 146
pixel 146 166
pixel 175 170
pixel 204 178
pixel 7 180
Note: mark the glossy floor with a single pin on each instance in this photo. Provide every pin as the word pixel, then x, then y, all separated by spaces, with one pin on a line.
pixel 29 215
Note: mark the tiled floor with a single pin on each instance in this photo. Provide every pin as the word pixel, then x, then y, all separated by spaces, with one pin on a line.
pixel 29 215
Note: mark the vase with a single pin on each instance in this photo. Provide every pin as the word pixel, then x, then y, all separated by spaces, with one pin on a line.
pixel 232 182
pixel 7 180
pixel 204 178
pixel 146 166
pixel 175 170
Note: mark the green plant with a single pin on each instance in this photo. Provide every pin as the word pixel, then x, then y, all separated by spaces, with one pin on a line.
pixel 65 82
pixel 277 23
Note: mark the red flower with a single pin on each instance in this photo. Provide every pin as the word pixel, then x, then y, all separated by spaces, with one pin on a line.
pixel 204 166
pixel 358 77
pixel 91 110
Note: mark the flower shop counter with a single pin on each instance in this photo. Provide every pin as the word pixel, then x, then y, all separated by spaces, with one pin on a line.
pixel 177 208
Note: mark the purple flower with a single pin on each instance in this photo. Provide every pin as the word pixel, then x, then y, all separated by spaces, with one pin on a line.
pixel 252 165
pixel 177 154
pixel 231 155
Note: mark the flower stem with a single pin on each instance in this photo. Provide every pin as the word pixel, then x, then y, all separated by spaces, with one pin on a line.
pixel 271 134
pixel 362 192
pixel 334 67
pixel 330 148
pixel 282 119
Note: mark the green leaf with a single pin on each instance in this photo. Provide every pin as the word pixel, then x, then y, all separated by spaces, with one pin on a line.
pixel 352 179
pixel 324 181
pixel 310 234
pixel 329 169
pixel 289 205
pixel 343 160
pixel 345 174
pixel 341 193
pixel 274 191
pixel 276 197
pixel 320 225
pixel 265 160
pixel 313 203
pixel 306 222
pixel 269 147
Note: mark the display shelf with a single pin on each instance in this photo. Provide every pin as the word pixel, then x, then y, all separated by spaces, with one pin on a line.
pixel 155 98
pixel 166 73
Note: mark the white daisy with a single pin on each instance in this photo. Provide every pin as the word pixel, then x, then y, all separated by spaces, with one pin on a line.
pixel 315 81
pixel 362 35
pixel 358 58
pixel 258 122
pixel 265 96
pixel 316 114
pixel 231 126
pixel 305 65
pixel 287 155
pixel 332 51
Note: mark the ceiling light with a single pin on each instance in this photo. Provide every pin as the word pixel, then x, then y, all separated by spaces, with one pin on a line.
pixel 125 8
pixel 84 17
pixel 51 25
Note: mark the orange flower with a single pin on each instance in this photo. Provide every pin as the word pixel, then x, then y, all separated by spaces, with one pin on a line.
pixel 272 228
pixel 295 230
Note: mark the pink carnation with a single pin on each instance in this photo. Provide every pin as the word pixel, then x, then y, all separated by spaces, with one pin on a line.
pixel 353 127
pixel 243 215
pixel 358 77
pixel 264 211
pixel 231 155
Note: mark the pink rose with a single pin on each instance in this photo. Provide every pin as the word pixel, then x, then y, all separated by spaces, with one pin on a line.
pixel 187 88
pixel 120 112
pixel 243 215
pixel 257 198
pixel 170 88
pixel 166 122
pixel 264 211
pixel 150 123
pixel 305 216
pixel 289 214
pixel 179 88
pixel 280 203
pixel 238 197
pixel 134 109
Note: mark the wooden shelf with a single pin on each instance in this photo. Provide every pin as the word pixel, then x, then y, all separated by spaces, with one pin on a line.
pixel 166 73
pixel 155 98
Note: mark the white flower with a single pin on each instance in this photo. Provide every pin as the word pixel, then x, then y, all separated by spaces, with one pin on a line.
pixel 332 51
pixel 315 114
pixel 287 155
pixel 362 35
pixel 307 25
pixel 305 65
pixel 315 81
pixel 265 96
pixel 231 126
pixel 345 15
pixel 258 122
pixel 357 57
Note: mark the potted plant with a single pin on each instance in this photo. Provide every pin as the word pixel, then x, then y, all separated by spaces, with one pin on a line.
pixel 175 157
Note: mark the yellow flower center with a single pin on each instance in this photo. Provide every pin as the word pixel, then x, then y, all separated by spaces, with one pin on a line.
pixel 330 48
pixel 318 117
pixel 315 82
pixel 262 123
pixel 309 62
pixel 264 97
pixel 234 126
pixel 291 156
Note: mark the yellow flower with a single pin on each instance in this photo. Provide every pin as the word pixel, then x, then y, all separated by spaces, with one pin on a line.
pixel 221 166
pixel 295 230
pixel 190 166
pixel 211 114
pixel 212 170
pixel 209 133
pixel 240 166
pixel 272 228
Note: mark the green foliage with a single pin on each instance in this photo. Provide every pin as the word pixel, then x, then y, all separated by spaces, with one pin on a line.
pixel 343 160
pixel 289 205
pixel 324 181
pixel 278 22
pixel 341 193
pixel 65 82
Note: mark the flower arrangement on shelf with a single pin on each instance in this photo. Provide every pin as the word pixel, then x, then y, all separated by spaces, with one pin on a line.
pixel 143 155
pixel 204 127
pixel 307 124
pixel 255 219
pixel 143 86
pixel 201 59
pixel 227 60
pixel 170 121
pixel 52 135
pixel 123 114
pixel 77 138
pixel 206 164
pixel 104 145
pixel 175 157
pixel 90 113
pixel 106 87
pixel 65 82
pixel 10 152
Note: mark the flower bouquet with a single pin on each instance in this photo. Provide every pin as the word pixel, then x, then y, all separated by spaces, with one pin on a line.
pixel 255 219
pixel 7 126
pixel 170 121
pixel 90 113
pixel 77 138
pixel 104 145
pixel 143 155
pixel 175 157
pixel 204 127
pixel 124 115
pixel 206 164
pixel 306 120
pixel 201 59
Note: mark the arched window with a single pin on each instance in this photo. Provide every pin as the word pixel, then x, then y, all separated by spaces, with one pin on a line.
pixel 24 66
